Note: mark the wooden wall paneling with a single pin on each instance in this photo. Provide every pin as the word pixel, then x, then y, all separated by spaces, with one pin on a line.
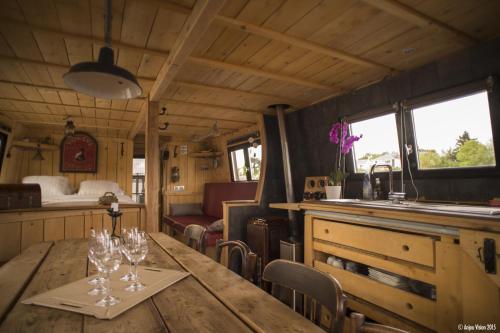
pixel 10 240
pixel 31 233
pixel 152 167
pixel 107 224
pixel 122 169
pixel 102 160
pixel 129 162
pixel 53 229
pixel 129 220
pixel 74 227
pixel 112 159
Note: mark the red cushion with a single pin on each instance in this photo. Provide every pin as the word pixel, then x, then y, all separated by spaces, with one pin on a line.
pixel 179 223
pixel 215 193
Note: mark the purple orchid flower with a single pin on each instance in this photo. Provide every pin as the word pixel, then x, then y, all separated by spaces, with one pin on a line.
pixel 346 141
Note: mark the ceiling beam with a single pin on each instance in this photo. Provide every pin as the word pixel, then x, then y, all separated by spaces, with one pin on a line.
pixel 23 121
pixel 299 42
pixel 279 99
pixel 210 118
pixel 261 73
pixel 216 107
pixel 193 29
pixel 417 18
pixel 281 37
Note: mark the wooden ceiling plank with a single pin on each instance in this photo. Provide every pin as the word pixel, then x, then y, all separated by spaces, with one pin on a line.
pixel 412 15
pixel 260 73
pixel 196 24
pixel 193 29
pixel 138 18
pixel 308 45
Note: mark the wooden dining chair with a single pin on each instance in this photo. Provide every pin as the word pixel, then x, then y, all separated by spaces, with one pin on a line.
pixel 245 264
pixel 358 325
pixel 195 237
pixel 319 290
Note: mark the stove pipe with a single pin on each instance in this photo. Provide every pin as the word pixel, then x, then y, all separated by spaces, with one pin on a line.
pixel 280 113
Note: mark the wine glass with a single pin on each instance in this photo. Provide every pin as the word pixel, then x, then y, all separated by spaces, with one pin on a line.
pixel 135 248
pixel 108 257
pixel 129 276
pixel 98 280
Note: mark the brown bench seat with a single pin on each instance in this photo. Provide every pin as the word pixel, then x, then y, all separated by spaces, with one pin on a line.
pixel 213 196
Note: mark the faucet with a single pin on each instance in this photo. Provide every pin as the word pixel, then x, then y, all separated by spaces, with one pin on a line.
pixel 395 197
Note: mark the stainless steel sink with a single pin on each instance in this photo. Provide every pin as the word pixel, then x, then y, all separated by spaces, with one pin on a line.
pixel 463 209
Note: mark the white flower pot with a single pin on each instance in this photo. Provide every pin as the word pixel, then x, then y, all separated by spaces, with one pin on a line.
pixel 333 192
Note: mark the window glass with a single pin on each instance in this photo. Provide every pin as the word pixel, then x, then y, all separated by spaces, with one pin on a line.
pixel 238 165
pixel 138 172
pixel 255 156
pixel 379 143
pixel 455 133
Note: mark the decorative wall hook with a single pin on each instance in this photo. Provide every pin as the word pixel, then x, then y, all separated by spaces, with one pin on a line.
pixel 164 127
pixel 163 111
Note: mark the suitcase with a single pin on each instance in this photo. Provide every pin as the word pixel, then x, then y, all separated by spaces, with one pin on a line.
pixel 263 237
pixel 18 196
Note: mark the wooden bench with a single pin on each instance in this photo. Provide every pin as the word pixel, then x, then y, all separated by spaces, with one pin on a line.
pixel 16 274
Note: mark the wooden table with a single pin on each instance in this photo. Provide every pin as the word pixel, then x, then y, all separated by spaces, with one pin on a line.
pixel 212 299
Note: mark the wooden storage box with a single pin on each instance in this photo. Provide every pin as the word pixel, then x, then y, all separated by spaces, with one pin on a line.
pixel 17 196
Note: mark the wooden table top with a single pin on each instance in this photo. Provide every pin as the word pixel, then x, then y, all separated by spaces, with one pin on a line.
pixel 211 299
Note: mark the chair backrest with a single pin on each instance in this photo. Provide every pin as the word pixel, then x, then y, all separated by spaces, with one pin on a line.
pixel 195 237
pixel 318 289
pixel 246 266
pixel 358 325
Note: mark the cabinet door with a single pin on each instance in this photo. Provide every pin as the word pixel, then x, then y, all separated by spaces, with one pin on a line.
pixel 32 232
pixel 481 290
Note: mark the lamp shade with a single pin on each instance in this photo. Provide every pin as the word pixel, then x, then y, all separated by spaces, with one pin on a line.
pixel 103 79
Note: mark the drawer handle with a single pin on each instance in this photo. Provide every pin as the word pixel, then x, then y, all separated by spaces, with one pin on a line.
pixel 327 231
pixel 409 306
pixel 406 248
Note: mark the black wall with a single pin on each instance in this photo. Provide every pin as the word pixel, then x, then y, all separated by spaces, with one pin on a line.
pixel 274 185
pixel 313 155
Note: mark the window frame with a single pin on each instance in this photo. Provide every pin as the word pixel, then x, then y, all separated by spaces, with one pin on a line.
pixel 460 172
pixel 428 99
pixel 245 147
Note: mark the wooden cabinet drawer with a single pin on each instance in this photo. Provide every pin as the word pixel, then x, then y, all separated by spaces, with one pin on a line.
pixel 416 308
pixel 409 247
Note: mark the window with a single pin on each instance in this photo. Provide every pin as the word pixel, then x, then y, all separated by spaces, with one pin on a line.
pixel 379 143
pixel 245 155
pixel 138 176
pixel 455 133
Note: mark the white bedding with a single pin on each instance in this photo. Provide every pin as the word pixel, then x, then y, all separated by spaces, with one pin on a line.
pixel 80 200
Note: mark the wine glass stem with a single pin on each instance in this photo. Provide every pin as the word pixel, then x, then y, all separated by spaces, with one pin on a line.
pixel 107 284
pixel 130 267
pixel 136 277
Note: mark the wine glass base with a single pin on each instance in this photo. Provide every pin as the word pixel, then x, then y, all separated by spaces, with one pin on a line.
pixel 100 290
pixel 96 280
pixel 136 286
pixel 127 277
pixel 108 301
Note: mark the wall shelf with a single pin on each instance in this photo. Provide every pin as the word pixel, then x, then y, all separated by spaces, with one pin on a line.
pixel 33 145
pixel 210 154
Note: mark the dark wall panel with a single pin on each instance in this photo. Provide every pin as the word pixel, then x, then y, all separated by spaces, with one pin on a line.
pixel 313 155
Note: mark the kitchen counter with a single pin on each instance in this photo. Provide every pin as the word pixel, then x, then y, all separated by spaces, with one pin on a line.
pixel 419 212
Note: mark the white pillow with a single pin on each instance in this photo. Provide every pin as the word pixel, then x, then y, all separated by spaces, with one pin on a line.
pixel 50 185
pixel 99 187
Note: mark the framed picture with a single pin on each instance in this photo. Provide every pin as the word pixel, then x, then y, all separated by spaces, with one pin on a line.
pixel 79 153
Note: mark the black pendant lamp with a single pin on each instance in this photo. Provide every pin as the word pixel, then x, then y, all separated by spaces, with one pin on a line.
pixel 103 79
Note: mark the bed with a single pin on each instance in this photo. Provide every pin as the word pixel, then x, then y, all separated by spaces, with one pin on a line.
pixel 65 214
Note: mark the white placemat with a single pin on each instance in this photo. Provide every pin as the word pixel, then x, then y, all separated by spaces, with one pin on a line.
pixel 74 297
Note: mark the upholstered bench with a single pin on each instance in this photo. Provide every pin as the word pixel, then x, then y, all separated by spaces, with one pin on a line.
pixel 210 210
